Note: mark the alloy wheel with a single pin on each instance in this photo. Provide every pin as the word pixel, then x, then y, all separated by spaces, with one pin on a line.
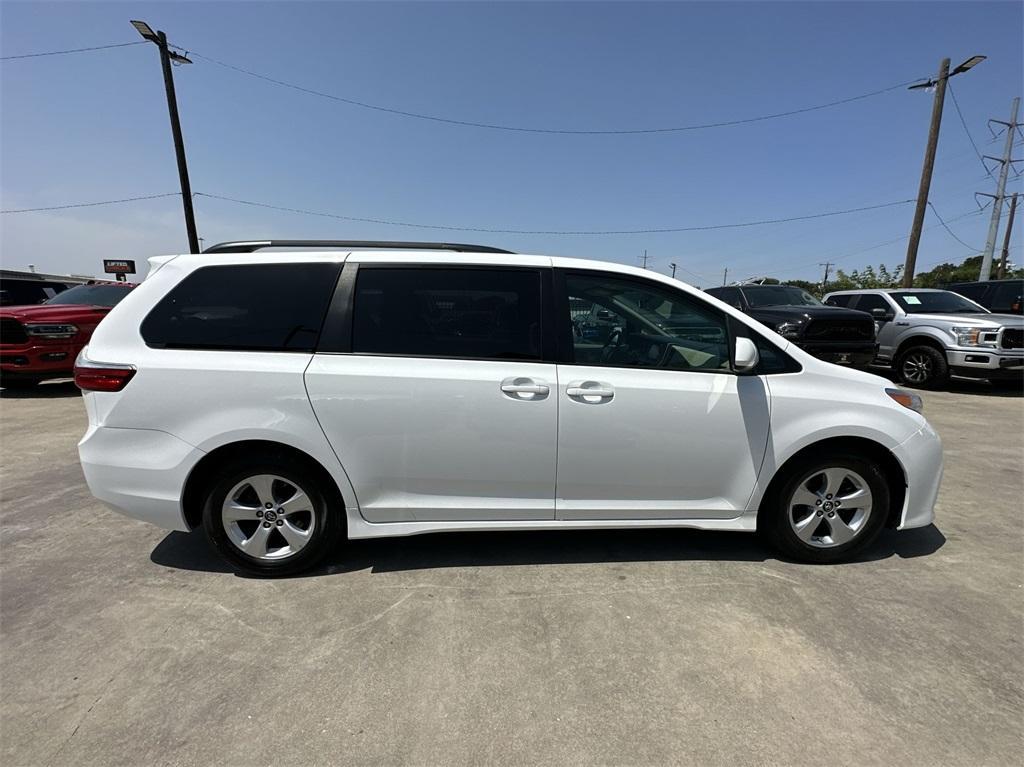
pixel 918 367
pixel 268 517
pixel 830 507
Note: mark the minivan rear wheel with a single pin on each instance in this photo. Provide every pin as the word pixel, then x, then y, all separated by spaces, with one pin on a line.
pixel 828 509
pixel 270 516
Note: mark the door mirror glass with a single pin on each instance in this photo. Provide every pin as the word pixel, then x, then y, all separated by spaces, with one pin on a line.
pixel 745 358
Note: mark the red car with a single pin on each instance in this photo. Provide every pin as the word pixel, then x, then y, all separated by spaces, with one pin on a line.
pixel 40 342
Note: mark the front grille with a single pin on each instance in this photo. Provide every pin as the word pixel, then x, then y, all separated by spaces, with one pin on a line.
pixel 1013 338
pixel 12 331
pixel 839 330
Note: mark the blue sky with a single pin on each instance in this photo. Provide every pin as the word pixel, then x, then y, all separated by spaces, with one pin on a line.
pixel 93 126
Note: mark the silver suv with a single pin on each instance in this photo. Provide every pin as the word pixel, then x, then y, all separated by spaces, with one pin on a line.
pixel 928 335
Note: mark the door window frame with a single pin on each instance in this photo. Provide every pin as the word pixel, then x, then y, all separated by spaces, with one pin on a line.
pixel 565 347
pixel 336 337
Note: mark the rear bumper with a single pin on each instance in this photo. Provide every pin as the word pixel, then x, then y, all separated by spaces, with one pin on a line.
pixel 921 458
pixel 139 472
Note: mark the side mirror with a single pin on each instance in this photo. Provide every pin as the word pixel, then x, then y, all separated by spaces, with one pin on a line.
pixel 745 357
pixel 881 314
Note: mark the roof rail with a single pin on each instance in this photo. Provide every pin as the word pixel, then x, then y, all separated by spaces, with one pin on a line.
pixel 252 246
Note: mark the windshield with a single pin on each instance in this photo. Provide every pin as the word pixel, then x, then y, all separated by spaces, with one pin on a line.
pixel 779 295
pixel 939 302
pixel 91 295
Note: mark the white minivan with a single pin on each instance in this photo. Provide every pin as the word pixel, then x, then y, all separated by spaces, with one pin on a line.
pixel 283 394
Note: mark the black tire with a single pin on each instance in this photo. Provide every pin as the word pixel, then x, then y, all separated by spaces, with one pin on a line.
pixel 326 515
pixel 923 367
pixel 774 517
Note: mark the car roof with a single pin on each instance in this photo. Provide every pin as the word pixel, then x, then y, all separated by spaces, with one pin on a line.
pixel 881 291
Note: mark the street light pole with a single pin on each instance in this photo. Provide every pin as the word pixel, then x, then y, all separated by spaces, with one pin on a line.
pixel 160 39
pixel 929 160
pixel 926 175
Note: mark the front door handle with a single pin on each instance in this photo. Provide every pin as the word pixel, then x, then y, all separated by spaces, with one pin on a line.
pixel 525 389
pixel 590 391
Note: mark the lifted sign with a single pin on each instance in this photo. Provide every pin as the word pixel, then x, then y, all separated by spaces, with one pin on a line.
pixel 119 267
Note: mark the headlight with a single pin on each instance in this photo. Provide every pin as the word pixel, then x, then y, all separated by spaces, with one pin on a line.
pixel 975 336
pixel 45 330
pixel 788 329
pixel 907 399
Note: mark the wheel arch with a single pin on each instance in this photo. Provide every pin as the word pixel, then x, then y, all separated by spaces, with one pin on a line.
pixel 919 339
pixel 890 464
pixel 205 471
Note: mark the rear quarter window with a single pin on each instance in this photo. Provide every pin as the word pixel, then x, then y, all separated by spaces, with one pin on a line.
pixel 251 307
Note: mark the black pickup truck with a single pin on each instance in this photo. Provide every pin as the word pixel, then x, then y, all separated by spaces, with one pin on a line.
pixel 830 333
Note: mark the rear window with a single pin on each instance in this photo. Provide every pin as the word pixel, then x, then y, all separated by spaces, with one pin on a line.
pixel 263 307
pixel 461 313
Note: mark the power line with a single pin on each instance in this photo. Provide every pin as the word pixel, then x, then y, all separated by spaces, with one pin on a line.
pixel 71 50
pixel 486 230
pixel 521 129
pixel 970 138
pixel 92 204
pixel 876 246
pixel 951 232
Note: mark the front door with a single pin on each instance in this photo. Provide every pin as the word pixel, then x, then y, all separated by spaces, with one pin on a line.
pixel 653 424
pixel 443 409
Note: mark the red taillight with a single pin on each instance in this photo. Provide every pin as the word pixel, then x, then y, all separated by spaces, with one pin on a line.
pixel 89 378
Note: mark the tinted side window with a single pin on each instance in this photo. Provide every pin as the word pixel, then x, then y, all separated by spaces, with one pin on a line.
pixel 462 313
pixel 973 292
pixel 844 300
pixel 253 307
pixel 872 301
pixel 621 322
pixel 1007 296
pixel 730 296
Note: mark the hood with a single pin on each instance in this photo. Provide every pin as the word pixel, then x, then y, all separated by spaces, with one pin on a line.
pixel 804 313
pixel 53 312
pixel 979 319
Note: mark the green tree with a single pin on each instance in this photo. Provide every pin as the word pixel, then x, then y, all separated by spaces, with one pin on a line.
pixel 867 278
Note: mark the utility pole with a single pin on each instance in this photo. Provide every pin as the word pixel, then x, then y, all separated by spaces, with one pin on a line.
pixel 997 202
pixel 674 266
pixel 926 174
pixel 645 259
pixel 725 276
pixel 166 56
pixel 939 83
pixel 828 265
pixel 1006 238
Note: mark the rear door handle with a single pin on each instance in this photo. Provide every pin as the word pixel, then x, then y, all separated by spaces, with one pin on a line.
pixel 589 391
pixel 525 389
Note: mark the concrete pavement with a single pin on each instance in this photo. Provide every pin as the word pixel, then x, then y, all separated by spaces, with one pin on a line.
pixel 123 644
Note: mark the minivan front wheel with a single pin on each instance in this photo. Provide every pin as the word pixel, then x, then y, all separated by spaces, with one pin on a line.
pixel 270 517
pixel 828 509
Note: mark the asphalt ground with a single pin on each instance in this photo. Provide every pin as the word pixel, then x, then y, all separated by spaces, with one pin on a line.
pixel 124 644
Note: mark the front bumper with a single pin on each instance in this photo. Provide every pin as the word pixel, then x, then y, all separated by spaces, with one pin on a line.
pixel 139 472
pixel 38 360
pixel 854 354
pixel 986 363
pixel 921 458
